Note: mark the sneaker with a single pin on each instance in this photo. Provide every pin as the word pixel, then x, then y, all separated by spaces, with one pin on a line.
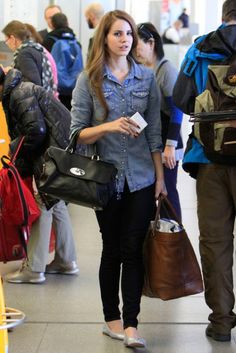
pixel 25 275
pixel 70 268
pixel 210 332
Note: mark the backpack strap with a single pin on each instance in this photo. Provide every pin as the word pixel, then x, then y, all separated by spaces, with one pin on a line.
pixel 13 158
pixel 67 36
pixel 159 67
pixel 53 37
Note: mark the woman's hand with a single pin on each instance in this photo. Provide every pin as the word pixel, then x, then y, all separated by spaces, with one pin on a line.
pixel 160 188
pixel 123 125
pixel 6 68
pixel 169 157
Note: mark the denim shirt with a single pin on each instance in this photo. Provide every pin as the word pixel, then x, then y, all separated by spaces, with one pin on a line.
pixel 137 93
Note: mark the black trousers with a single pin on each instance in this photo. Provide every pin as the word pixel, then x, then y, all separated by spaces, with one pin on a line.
pixel 123 225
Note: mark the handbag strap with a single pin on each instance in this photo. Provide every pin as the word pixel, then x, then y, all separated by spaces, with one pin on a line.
pixel 73 142
pixel 159 67
pixel 166 204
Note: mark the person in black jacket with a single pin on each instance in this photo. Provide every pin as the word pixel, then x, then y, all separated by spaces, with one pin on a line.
pixel 29 57
pixel 49 11
pixel 60 27
pixel 61 30
pixel 28 108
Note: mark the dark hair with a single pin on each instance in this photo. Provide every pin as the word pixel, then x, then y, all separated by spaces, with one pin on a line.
pixel 17 29
pixel 59 20
pixel 2 76
pixel 147 31
pixel 229 10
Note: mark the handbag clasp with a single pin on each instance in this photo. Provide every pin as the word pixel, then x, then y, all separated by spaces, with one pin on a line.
pixel 96 157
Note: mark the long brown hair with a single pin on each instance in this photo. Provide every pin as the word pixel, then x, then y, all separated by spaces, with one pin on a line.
pixel 99 52
pixel 33 33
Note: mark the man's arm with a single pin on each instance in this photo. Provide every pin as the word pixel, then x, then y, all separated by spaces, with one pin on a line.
pixel 184 93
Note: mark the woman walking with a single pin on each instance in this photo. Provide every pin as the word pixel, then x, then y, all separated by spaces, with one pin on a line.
pixel 111 89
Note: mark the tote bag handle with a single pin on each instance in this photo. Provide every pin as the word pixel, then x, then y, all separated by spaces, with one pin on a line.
pixel 169 209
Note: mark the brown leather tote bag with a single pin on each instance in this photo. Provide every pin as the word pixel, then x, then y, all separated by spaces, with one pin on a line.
pixel 171 267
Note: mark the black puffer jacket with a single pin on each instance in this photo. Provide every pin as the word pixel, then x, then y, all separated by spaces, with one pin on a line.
pixel 29 62
pixel 34 113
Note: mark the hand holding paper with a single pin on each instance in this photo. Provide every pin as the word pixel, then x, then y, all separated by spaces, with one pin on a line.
pixel 138 119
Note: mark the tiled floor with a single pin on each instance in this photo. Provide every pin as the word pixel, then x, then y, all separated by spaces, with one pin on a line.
pixel 64 314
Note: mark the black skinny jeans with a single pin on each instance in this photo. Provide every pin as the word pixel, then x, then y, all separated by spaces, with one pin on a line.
pixel 123 225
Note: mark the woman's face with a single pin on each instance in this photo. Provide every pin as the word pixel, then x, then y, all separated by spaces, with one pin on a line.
pixel 12 42
pixel 119 39
pixel 144 51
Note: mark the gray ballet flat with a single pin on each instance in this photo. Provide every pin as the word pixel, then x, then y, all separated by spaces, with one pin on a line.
pixel 134 342
pixel 110 333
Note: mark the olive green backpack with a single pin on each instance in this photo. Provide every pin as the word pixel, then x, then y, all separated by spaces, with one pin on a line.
pixel 214 115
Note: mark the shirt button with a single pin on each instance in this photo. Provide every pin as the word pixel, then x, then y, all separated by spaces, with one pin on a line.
pixel 123 100
pixel 124 151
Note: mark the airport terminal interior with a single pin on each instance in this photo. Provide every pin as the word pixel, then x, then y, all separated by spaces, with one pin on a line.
pixel 64 314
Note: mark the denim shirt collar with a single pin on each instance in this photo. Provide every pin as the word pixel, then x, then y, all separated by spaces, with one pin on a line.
pixel 135 72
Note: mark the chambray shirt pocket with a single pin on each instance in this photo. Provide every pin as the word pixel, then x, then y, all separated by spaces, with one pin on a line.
pixel 139 100
pixel 99 111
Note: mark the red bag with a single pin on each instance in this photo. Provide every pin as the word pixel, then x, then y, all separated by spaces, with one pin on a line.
pixel 18 210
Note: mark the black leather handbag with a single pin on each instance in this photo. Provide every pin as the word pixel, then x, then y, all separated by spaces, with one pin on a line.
pixel 77 179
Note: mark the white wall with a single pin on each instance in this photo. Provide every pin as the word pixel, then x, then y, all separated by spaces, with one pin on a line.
pixel 32 11
pixel 84 32
pixel 205 13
